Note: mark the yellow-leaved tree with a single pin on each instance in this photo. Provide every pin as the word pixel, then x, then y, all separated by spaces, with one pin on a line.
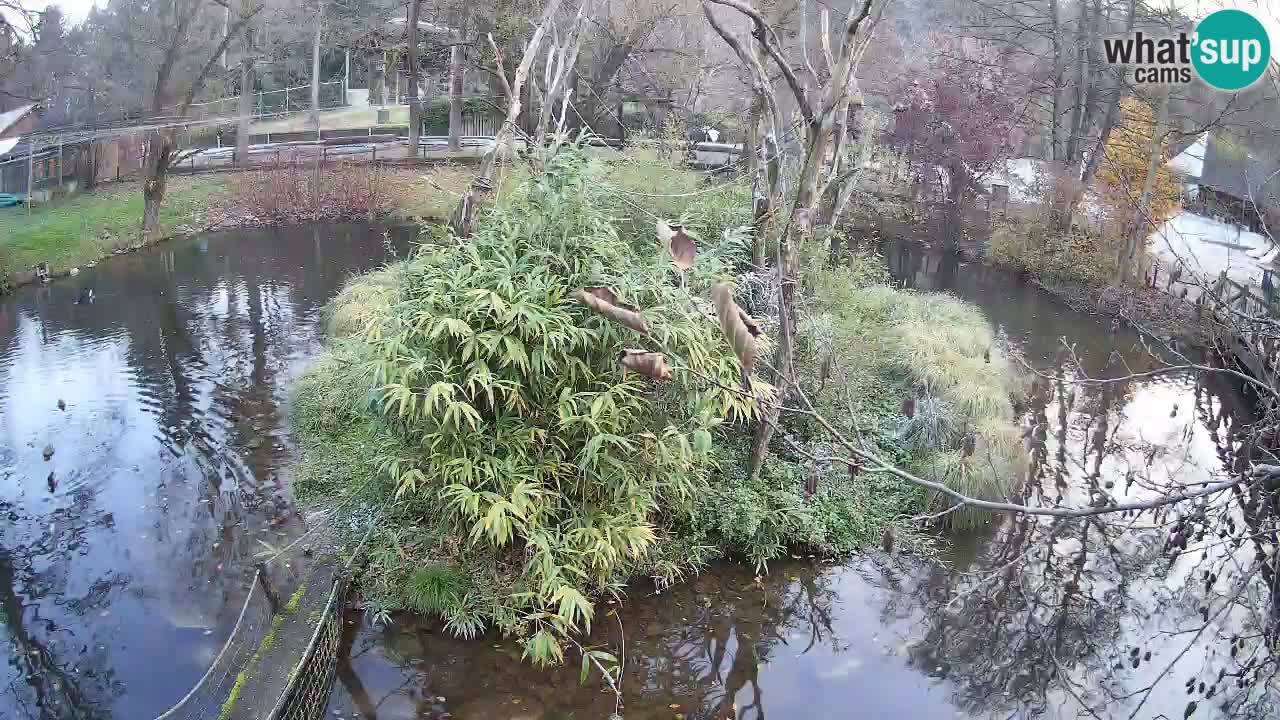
pixel 1123 175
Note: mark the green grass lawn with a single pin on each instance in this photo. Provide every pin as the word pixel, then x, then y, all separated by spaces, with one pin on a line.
pixel 77 229
pixel 74 230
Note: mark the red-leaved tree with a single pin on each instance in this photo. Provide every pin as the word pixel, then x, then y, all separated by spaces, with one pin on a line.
pixel 962 117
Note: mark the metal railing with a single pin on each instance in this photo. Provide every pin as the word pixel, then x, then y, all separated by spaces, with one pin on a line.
pixel 270 103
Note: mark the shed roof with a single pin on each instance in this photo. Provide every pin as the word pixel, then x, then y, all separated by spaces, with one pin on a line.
pixel 1230 168
pixel 11 118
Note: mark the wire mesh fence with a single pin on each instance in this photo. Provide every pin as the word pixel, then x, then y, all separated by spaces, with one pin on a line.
pixel 209 697
pixel 279 659
pixel 270 103
pixel 307 695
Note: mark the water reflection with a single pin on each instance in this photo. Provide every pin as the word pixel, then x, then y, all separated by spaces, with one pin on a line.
pixel 803 642
pixel 129 548
pixel 1106 617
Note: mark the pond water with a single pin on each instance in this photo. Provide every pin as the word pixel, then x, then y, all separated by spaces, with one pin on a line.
pixel 171 459
pixel 125 556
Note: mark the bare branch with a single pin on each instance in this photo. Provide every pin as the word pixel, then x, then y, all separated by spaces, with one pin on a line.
pixel 764 33
pixel 198 83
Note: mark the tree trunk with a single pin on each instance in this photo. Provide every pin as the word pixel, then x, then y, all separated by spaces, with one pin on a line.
pixel 799 230
pixel 1112 113
pixel 378 80
pixel 226 25
pixel 455 96
pixel 1079 119
pixel 414 109
pixel 245 110
pixel 1055 111
pixel 756 169
pixel 953 230
pixel 1142 213
pixel 848 116
pixel 155 175
pixel 315 68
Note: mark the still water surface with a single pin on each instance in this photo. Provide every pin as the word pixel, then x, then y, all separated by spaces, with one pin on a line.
pixel 125 556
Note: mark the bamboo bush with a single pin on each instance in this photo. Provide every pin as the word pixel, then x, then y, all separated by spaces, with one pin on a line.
pixel 560 404
pixel 508 414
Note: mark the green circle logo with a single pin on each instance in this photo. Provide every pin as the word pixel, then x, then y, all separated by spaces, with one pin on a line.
pixel 1231 49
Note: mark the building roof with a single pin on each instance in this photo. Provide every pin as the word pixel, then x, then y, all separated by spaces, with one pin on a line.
pixel 11 118
pixel 1230 168
pixel 1189 160
pixel 424 25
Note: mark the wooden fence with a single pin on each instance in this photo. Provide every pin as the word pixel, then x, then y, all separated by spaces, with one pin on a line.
pixel 1244 315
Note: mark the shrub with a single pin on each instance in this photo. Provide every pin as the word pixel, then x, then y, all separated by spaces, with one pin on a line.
pixel 766 517
pixel 289 193
pixel 709 206
pixel 523 474
pixel 513 432
pixel 1033 246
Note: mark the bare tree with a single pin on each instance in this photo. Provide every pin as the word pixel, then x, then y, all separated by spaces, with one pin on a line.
pixel 762 145
pixel 823 124
pixel 178 18
pixel 1083 93
pixel 16 22
pixel 562 59
pixel 415 111
pixel 464 215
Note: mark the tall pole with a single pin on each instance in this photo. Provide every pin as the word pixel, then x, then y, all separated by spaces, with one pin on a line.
pixel 346 74
pixel 31 174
